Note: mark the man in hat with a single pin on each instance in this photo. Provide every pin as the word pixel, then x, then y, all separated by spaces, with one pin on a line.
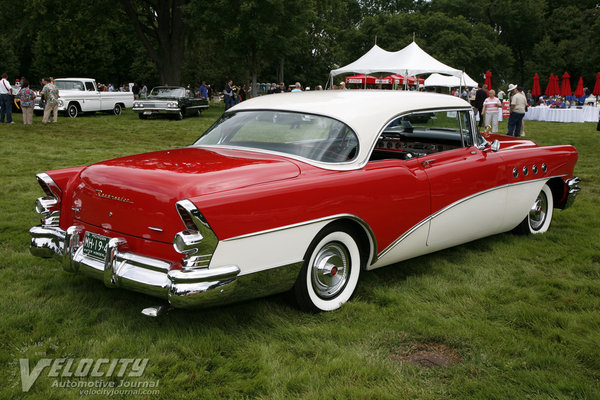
pixel 518 106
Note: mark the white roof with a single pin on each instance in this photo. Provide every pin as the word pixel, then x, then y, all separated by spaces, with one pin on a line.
pixel 450 81
pixel 367 112
pixel 411 60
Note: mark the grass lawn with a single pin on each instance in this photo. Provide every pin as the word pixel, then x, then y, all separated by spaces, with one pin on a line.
pixel 506 317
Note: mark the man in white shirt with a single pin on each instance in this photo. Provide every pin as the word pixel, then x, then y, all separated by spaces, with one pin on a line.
pixel 5 100
pixel 518 107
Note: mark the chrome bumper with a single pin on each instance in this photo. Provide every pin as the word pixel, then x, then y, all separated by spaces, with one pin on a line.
pixel 122 269
pixel 574 189
pixel 157 110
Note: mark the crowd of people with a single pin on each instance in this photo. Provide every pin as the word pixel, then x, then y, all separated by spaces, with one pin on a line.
pixel 27 96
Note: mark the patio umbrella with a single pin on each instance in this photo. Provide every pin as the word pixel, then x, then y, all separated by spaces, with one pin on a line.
pixel 596 91
pixel 488 79
pixel 579 91
pixel 550 87
pixel 535 90
pixel 565 87
pixel 555 87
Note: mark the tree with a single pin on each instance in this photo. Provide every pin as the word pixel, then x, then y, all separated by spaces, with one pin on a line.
pixel 161 27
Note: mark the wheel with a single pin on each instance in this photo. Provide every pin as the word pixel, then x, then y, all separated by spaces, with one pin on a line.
pixel 72 110
pixel 198 113
pixel 141 116
pixel 179 116
pixel 330 271
pixel 117 109
pixel 539 217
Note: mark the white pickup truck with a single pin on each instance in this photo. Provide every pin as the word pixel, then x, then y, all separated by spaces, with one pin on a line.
pixel 79 95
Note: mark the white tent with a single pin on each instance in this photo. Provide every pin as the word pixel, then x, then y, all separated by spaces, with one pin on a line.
pixel 409 61
pixel 449 81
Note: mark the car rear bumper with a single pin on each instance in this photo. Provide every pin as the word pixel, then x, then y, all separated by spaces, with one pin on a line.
pixel 202 287
pixel 573 189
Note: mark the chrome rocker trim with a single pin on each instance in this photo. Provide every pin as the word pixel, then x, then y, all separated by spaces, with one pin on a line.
pixel 189 288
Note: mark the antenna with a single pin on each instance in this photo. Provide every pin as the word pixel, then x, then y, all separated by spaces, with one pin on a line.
pixel 413 36
pixel 375 39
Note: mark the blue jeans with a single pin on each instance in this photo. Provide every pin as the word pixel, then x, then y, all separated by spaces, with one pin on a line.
pixel 515 120
pixel 5 108
pixel 229 102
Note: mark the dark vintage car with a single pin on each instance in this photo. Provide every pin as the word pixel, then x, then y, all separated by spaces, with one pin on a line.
pixel 175 101
pixel 300 192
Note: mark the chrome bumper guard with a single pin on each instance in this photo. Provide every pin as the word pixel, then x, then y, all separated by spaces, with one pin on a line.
pixel 123 269
pixel 574 189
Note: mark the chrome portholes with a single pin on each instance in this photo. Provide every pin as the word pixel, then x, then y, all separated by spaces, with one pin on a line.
pixel 330 270
pixel 534 169
pixel 538 212
pixel 525 171
pixel 544 167
pixel 515 172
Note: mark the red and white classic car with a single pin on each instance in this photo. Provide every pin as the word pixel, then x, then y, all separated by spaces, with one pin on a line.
pixel 300 192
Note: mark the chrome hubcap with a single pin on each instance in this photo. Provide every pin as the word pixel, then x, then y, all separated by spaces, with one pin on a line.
pixel 330 270
pixel 537 214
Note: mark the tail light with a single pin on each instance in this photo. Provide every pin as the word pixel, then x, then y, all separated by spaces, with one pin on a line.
pixel 197 241
pixel 49 205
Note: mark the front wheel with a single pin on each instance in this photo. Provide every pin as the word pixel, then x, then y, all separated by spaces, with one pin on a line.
pixel 539 217
pixel 330 271
pixel 117 109
pixel 72 110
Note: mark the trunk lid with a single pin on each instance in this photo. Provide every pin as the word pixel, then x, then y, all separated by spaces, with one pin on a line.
pixel 136 195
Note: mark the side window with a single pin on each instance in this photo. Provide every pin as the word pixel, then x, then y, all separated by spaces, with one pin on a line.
pixel 89 86
pixel 423 133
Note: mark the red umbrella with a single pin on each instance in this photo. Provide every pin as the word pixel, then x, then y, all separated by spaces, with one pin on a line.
pixel 550 88
pixel 535 90
pixel 488 79
pixel 565 87
pixel 596 91
pixel 579 91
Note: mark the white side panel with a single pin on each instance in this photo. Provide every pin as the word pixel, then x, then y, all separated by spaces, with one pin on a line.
pixel 267 250
pixel 485 214
pixel 470 219
pixel 412 245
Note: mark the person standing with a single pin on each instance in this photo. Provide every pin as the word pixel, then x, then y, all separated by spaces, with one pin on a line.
pixel 501 95
pixel 297 88
pixel 144 91
pixel 50 94
pixel 27 97
pixel 491 105
pixel 228 92
pixel 518 105
pixel 5 100
pixel 203 90
pixel 480 97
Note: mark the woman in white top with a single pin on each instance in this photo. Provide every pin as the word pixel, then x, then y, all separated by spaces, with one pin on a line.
pixel 491 106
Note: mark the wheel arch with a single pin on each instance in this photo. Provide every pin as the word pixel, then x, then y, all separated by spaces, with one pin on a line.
pixel 557 186
pixel 363 234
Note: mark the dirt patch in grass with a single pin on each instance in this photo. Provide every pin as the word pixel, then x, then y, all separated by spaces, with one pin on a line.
pixel 429 355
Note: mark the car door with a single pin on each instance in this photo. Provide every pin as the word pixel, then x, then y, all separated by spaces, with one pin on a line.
pixel 92 98
pixel 467 189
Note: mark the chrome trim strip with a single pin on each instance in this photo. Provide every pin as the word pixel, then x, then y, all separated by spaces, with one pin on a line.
pixel 456 203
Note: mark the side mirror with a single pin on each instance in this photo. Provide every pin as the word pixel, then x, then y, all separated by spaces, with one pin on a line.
pixel 495 145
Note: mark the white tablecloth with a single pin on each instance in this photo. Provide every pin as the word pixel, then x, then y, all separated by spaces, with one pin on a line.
pixel 584 114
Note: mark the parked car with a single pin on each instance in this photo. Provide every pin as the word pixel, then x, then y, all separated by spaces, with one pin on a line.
pixel 175 101
pixel 300 192
pixel 81 95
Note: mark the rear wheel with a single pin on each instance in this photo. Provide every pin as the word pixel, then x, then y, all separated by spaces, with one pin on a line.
pixel 117 109
pixel 330 272
pixel 539 217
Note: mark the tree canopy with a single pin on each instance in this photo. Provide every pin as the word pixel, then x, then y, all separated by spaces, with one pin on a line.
pixel 249 41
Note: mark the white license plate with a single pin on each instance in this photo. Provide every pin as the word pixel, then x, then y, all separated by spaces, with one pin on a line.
pixel 147 112
pixel 95 245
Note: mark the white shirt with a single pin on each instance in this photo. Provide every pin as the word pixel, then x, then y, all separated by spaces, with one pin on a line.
pixel 4 86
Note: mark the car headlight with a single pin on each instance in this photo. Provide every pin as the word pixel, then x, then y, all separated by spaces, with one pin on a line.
pixel 60 103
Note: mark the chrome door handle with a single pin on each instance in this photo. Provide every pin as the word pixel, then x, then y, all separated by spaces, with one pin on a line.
pixel 427 162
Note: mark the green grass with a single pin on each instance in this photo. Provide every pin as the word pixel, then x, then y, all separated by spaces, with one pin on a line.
pixel 520 313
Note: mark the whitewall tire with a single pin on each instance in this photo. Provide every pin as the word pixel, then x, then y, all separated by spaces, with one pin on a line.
pixel 539 217
pixel 330 272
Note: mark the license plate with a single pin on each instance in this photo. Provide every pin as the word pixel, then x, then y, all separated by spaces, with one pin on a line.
pixel 147 112
pixel 95 245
